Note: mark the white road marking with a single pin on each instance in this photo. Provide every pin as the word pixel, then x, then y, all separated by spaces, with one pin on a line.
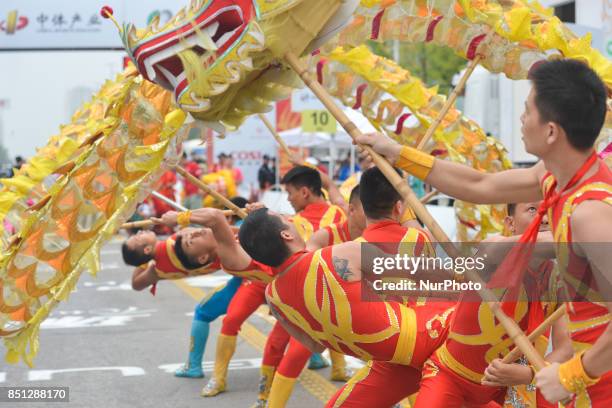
pixel 208 281
pixel 108 285
pixel 46 375
pixel 237 364
pixel 74 319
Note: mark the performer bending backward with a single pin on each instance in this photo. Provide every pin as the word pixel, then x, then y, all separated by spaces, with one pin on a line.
pixel 317 295
pixel 564 114
pixel 284 358
pixel 190 252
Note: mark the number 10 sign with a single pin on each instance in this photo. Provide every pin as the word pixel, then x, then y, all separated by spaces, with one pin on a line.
pixel 318 121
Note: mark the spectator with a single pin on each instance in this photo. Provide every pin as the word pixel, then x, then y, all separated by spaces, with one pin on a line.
pixel 166 188
pixel 266 175
pixel 19 162
pixel 193 195
pixel 236 172
pixel 344 170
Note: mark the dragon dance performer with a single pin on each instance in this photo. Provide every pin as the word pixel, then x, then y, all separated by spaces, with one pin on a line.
pixel 341 232
pixel 167 260
pixel 309 283
pixel 454 375
pixel 284 357
pixel 190 252
pixel 212 306
pixel 252 294
pixel 388 223
pixel 249 296
pixel 564 114
pixel 518 377
pixel 193 247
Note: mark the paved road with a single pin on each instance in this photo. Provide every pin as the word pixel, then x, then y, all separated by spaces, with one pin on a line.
pixel 118 348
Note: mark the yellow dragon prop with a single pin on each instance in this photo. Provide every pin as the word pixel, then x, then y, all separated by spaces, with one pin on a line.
pixel 221 61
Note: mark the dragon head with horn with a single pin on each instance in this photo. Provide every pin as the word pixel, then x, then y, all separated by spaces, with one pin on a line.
pixel 220 58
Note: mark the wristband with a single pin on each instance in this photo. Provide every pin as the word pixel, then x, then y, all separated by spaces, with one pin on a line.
pixel 573 377
pixel 184 219
pixel 533 374
pixel 415 162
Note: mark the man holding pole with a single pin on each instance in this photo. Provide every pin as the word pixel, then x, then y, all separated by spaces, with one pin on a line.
pixel 459 373
pixel 563 116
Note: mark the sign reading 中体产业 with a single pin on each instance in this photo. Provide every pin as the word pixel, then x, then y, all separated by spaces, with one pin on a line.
pixel 69 24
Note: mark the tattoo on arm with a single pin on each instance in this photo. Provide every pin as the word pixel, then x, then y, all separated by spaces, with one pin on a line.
pixel 341 267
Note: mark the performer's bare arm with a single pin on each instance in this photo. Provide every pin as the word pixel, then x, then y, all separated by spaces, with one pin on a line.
pixel 467 184
pixel 319 239
pixel 500 374
pixel 231 254
pixel 591 225
pixel 142 278
pixel 296 332
pixel 335 197
pixel 496 248
pixel 563 349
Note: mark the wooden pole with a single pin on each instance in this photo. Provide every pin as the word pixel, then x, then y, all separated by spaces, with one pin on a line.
pixel 149 223
pixel 449 102
pixel 274 133
pixel 427 197
pixel 515 333
pixel 168 201
pixel 533 336
pixel 137 224
pixel 193 180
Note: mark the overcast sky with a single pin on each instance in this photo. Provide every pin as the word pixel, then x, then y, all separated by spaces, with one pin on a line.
pixel 40 90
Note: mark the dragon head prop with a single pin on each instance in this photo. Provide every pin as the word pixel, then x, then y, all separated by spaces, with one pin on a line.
pixel 220 58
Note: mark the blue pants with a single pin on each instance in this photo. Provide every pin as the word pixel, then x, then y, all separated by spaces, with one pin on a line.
pixel 215 305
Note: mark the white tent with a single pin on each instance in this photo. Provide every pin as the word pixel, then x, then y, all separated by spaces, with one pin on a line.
pixel 297 138
pixel 340 139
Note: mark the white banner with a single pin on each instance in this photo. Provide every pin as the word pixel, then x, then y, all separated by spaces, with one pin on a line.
pixel 70 24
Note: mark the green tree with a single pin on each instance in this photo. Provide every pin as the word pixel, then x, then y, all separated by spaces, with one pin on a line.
pixel 433 64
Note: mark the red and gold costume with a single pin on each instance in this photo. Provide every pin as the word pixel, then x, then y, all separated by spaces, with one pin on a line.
pixel 315 216
pixel 250 295
pixel 337 233
pixel 168 266
pixel 452 376
pixel 312 296
pixel 588 315
pixel 248 298
pixel 398 381
pixel 284 357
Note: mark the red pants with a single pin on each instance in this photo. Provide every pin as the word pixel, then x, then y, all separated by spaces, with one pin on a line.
pixel 289 362
pixel 441 387
pixel 249 296
pixel 378 384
